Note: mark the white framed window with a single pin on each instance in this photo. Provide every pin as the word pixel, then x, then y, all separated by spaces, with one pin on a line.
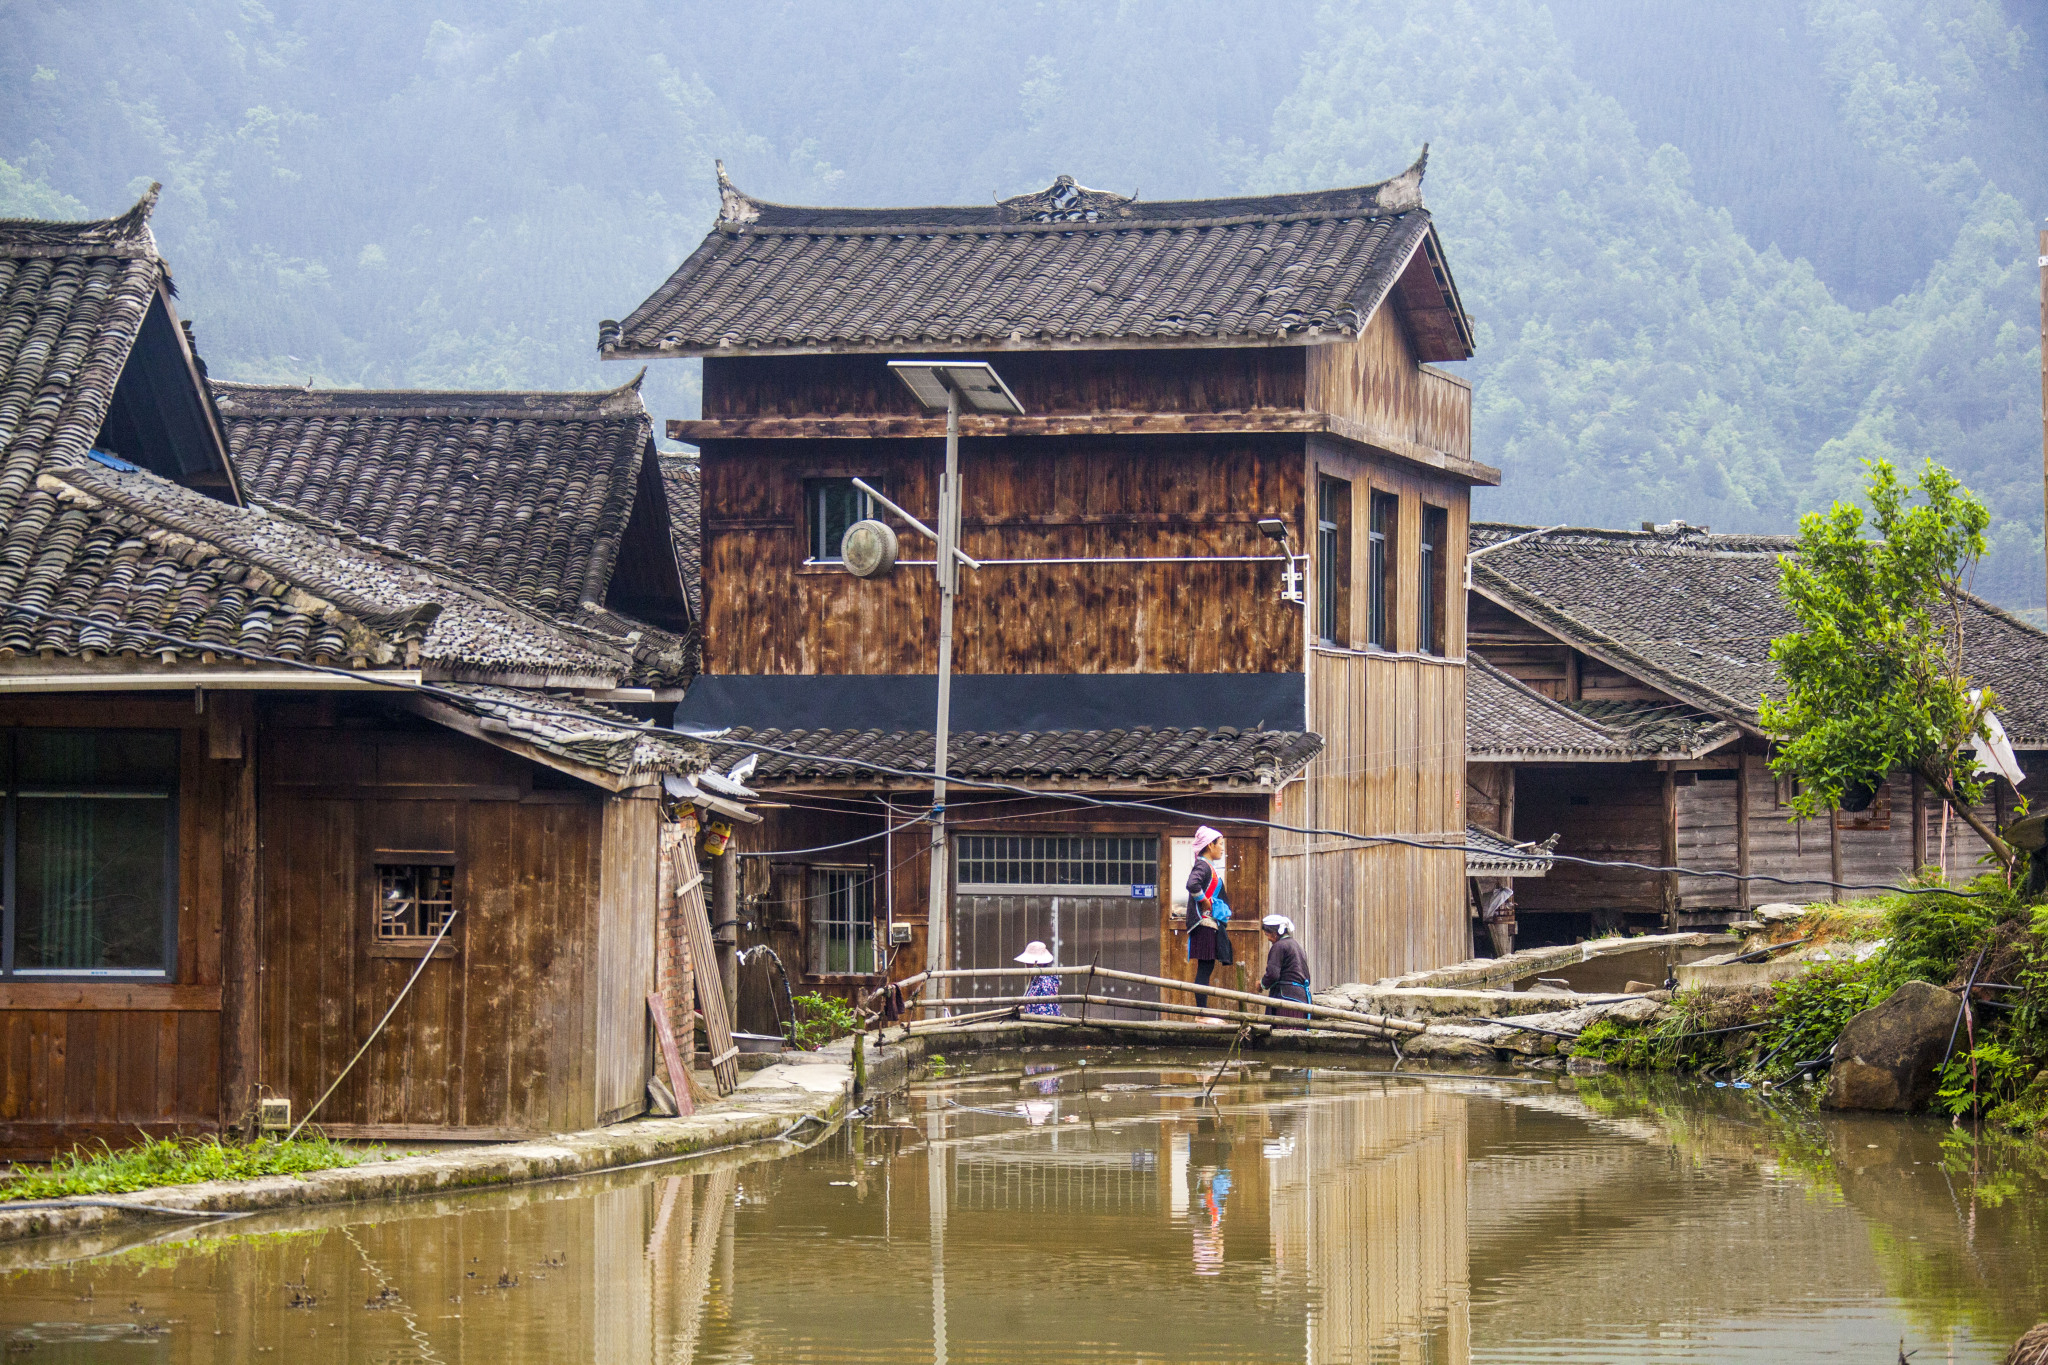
pixel 839 908
pixel 830 506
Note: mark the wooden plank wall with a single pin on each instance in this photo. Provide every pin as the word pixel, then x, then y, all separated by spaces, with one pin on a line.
pixel 1598 811
pixel 1200 379
pixel 1393 762
pixel 83 1062
pixel 1375 380
pixel 624 950
pixel 767 612
pixel 498 1034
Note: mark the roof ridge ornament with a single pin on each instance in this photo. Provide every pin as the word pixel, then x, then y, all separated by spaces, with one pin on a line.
pixel 1404 191
pixel 1066 201
pixel 734 206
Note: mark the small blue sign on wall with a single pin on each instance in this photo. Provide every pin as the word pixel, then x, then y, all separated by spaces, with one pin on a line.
pixel 1141 891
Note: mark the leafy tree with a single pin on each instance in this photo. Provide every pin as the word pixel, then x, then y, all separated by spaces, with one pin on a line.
pixel 1875 676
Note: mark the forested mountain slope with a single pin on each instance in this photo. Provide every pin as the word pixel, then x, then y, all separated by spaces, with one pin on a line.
pixel 1716 253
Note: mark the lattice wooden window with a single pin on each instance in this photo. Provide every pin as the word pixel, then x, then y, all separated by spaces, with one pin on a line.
pixel 413 900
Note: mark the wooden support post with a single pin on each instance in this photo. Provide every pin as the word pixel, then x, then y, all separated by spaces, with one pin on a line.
pixel 725 898
pixel 1743 899
pixel 1669 848
pixel 230 731
pixel 1835 853
pixel 1920 858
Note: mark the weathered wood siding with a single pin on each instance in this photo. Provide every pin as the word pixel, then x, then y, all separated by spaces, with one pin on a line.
pixel 499 1035
pixel 82 1062
pixel 625 957
pixel 1546 664
pixel 1393 762
pixel 1376 382
pixel 767 611
pixel 1045 382
pixel 1598 811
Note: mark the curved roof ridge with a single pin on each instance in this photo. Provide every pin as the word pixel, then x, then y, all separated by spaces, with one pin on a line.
pixel 1069 206
pixel 624 401
pixel 125 234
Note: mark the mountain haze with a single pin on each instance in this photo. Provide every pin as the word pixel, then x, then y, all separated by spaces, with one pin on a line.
pixel 1716 254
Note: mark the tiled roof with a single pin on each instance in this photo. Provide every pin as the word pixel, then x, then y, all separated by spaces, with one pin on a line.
pixel 1508 721
pixel 1489 855
pixel 72 301
pixel 1065 266
pixel 1261 757
pixel 527 492
pixel 240 562
pixel 683 477
pixel 595 735
pixel 1693 614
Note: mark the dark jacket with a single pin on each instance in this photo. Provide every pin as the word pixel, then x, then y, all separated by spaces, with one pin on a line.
pixel 1205 944
pixel 1285 961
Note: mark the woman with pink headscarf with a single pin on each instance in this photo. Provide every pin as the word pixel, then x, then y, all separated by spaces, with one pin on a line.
pixel 1208 911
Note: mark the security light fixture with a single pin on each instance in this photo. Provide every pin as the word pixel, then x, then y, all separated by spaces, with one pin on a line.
pixel 980 388
pixel 1274 529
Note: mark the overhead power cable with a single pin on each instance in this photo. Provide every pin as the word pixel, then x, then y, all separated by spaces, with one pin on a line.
pixel 978 784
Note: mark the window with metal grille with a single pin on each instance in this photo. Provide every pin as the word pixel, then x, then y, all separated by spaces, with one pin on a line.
pixel 413 900
pixel 1067 861
pixel 1333 561
pixel 830 506
pixel 90 853
pixel 1430 600
pixel 1386 512
pixel 839 906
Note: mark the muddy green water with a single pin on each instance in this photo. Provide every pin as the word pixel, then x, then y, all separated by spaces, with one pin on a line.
pixel 1047 1209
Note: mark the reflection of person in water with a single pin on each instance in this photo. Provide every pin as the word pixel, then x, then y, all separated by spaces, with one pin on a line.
pixel 1212 1192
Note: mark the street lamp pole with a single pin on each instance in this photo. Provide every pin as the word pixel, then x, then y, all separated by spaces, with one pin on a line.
pixel 939 925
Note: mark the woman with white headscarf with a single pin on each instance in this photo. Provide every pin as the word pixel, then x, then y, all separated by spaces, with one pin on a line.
pixel 1286 975
pixel 1208 911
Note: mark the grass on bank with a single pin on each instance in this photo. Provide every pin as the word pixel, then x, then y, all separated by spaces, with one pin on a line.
pixel 1936 938
pixel 175 1161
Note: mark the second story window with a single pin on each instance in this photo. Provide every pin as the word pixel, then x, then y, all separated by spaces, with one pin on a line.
pixel 1380 570
pixel 830 506
pixel 1333 561
pixel 1430 583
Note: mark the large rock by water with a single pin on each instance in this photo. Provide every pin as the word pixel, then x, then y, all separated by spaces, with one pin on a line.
pixel 1886 1058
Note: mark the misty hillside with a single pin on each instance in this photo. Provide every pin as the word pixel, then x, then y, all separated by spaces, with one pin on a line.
pixel 1717 254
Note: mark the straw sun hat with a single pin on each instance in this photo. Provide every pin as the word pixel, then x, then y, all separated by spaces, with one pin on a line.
pixel 1035 954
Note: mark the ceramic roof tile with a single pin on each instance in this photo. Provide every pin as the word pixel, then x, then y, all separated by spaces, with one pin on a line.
pixel 528 492
pixel 1262 757
pixel 683 478
pixel 1065 265
pixel 1508 721
pixel 1694 614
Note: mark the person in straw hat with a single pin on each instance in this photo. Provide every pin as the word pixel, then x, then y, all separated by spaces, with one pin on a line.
pixel 1036 954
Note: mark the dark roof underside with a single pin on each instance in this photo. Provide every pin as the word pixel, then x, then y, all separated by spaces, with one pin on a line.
pixel 1069 266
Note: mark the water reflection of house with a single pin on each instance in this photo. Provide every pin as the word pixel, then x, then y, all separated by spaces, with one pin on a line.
pixel 1188 370
pixel 1613 701
pixel 1368 1205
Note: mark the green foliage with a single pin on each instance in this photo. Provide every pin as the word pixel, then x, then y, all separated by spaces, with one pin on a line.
pixel 1810 1011
pixel 1676 317
pixel 820 1019
pixel 1875 677
pixel 1934 937
pixel 176 1161
pixel 937 1065
pixel 1986 1076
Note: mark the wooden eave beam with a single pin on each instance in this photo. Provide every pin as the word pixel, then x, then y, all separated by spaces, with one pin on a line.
pixel 463 722
pixel 1266 421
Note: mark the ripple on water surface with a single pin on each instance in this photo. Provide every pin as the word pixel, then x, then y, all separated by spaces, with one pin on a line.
pixel 1043 1210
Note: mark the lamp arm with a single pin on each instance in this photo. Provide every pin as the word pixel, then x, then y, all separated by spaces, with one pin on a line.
pixel 915 524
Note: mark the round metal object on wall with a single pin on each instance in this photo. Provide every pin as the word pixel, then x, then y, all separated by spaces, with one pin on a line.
pixel 869 548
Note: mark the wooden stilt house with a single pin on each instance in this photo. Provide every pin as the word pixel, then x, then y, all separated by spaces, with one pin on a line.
pixel 258 759
pixel 1188 370
pixel 1615 682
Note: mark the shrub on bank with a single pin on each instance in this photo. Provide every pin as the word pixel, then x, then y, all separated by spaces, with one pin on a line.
pixel 1786 1030
pixel 175 1161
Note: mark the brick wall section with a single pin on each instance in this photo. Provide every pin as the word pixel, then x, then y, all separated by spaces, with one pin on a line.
pixel 673 975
